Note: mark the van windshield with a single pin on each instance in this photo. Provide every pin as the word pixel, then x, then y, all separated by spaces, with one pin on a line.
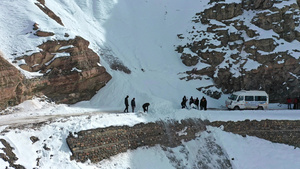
pixel 233 97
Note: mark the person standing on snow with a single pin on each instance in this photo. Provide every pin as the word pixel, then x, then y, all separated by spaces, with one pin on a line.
pixel 133 104
pixel 145 107
pixel 126 104
pixel 289 102
pixel 203 104
pixel 296 103
pixel 191 101
pixel 197 103
pixel 183 103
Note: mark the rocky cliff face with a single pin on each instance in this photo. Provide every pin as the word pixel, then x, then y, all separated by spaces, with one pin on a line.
pixel 10 84
pixel 246 45
pixel 70 73
pixel 69 70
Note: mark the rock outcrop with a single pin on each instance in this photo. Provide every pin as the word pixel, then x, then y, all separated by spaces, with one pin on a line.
pixel 70 72
pixel 9 156
pixel 239 54
pixel 48 12
pixel 11 84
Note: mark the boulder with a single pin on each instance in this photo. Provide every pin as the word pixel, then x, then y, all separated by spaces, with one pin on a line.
pixel 43 34
pixel 189 60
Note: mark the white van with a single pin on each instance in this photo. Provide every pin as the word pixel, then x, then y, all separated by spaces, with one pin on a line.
pixel 253 99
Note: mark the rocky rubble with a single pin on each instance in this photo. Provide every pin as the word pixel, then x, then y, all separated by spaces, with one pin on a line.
pixel 231 45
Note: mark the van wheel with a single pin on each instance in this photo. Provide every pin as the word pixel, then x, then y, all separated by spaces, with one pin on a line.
pixel 236 108
pixel 260 108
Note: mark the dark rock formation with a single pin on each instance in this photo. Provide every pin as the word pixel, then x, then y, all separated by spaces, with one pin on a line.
pixel 71 71
pixel 232 58
pixel 257 4
pixel 11 85
pixel 9 156
pixel 48 12
pixel 43 34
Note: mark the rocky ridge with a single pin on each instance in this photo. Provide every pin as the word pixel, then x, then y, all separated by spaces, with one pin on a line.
pixel 232 39
pixel 69 70
pixel 10 84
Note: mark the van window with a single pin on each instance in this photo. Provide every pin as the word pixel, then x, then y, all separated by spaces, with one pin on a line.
pixel 241 98
pixel 249 98
pixel 233 97
pixel 260 98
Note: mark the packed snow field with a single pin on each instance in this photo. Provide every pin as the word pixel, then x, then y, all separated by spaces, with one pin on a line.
pixel 139 34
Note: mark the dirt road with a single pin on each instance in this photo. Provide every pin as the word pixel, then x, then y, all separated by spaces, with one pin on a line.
pixel 12 120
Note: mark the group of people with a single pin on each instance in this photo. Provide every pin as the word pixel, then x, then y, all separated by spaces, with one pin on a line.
pixel 194 103
pixel 295 101
pixel 133 105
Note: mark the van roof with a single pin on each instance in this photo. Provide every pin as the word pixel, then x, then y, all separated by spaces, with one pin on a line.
pixel 253 92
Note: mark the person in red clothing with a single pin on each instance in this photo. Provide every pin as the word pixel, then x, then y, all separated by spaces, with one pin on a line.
pixel 296 103
pixel 289 102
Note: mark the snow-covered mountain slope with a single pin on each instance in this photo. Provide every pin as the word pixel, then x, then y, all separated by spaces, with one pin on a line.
pixel 147 41
pixel 140 37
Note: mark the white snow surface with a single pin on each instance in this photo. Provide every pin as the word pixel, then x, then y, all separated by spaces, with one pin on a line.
pixel 143 35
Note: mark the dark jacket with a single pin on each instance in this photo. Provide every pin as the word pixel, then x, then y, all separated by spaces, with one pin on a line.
pixel 126 101
pixel 132 103
pixel 191 100
pixel 146 105
pixel 203 102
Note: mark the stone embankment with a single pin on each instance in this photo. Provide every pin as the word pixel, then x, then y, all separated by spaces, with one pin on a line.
pixel 277 131
pixel 102 143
